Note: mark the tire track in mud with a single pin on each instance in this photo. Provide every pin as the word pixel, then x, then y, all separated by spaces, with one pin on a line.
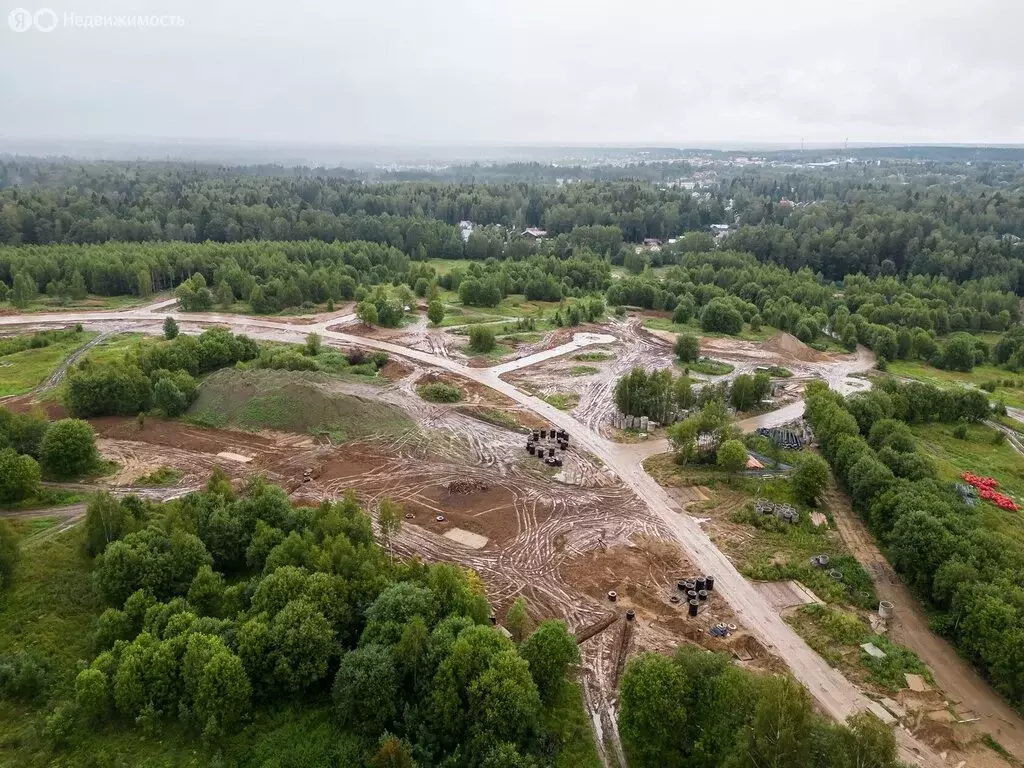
pixel 648 509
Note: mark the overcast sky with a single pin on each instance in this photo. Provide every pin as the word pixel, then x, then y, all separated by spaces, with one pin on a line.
pixel 666 72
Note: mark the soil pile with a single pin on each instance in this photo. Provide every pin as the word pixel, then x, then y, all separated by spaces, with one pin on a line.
pixel 788 346
pixel 293 401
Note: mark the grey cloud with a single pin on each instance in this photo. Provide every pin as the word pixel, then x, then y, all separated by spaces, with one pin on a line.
pixel 501 71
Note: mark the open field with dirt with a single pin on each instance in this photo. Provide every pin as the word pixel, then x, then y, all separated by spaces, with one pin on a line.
pixel 562 539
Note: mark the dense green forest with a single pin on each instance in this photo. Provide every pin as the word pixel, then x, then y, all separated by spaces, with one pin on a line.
pixel 224 610
pixel 957 220
pixel 967 570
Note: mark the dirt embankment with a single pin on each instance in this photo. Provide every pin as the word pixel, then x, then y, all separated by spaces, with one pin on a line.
pixel 910 627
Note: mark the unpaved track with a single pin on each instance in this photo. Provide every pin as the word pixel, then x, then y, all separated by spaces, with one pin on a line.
pixel 834 694
pixel 909 627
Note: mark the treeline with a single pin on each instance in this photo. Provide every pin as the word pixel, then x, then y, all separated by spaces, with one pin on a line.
pixel 896 318
pixel 893 233
pixel 538 278
pixel 966 570
pixel 280 275
pixel 698 709
pixel 224 608
pixel 43 203
pixel 156 375
pixel 31 446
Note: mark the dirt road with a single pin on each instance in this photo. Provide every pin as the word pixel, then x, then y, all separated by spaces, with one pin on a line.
pixel 910 628
pixel 835 695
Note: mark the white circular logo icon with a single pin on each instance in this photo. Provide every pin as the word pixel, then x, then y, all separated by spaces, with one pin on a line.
pixel 45 20
pixel 20 20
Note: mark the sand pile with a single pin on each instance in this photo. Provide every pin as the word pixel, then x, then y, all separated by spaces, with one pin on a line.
pixel 788 346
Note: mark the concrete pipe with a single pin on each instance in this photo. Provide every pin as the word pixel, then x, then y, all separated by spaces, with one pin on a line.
pixel 886 609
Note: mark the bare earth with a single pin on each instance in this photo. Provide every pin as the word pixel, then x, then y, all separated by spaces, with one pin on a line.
pixel 551 529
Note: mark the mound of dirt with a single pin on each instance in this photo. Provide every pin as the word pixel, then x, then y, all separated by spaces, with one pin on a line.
pixel 466 486
pixel 788 346
pixel 293 401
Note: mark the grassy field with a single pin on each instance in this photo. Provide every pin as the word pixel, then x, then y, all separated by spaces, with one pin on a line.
pixel 46 304
pixel 978 453
pixel 1011 395
pixel 513 306
pixel 582 370
pixel 837 636
pixel 563 401
pixel 48 497
pixel 115 348
pixel 708 367
pixel 747 334
pixel 292 401
pixel 499 351
pixel 765 548
pixel 24 371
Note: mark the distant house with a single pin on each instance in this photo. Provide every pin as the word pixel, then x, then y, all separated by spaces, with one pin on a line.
pixel 465 228
pixel 652 244
pixel 786 203
pixel 534 233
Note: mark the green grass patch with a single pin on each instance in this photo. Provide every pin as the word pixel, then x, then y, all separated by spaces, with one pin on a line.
pixel 23 371
pixel 989 741
pixel 119 346
pixel 439 392
pixel 837 636
pixel 592 357
pixel 778 372
pixel 583 370
pixel 563 401
pixel 978 453
pixel 499 351
pixel 292 401
pixel 566 720
pixel 1009 421
pixel 782 551
pixel 747 334
pixel 708 367
pixel 778 550
pixel 1010 388
pixel 47 497
pixel 51 602
pixel 161 477
pixel 48 304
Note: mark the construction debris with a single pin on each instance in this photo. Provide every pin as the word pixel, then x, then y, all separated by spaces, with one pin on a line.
pixel 873 650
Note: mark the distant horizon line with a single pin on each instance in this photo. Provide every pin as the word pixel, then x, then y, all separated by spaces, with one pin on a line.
pixel 719 145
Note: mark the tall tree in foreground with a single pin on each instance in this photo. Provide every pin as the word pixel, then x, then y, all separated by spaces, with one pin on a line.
pixel 389 517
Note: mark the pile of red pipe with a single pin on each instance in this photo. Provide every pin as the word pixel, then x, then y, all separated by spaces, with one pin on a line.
pixel 986 489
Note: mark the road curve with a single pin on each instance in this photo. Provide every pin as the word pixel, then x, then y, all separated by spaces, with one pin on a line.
pixel 835 695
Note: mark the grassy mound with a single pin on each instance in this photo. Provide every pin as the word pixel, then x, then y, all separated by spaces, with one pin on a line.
pixel 439 392
pixel 292 401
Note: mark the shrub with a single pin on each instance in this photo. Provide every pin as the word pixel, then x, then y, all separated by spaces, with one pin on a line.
pixel 481 339
pixel 435 312
pixel 23 676
pixel 960 431
pixel 732 455
pixel 439 392
pixel 687 348
pixel 68 449
pixel 19 476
